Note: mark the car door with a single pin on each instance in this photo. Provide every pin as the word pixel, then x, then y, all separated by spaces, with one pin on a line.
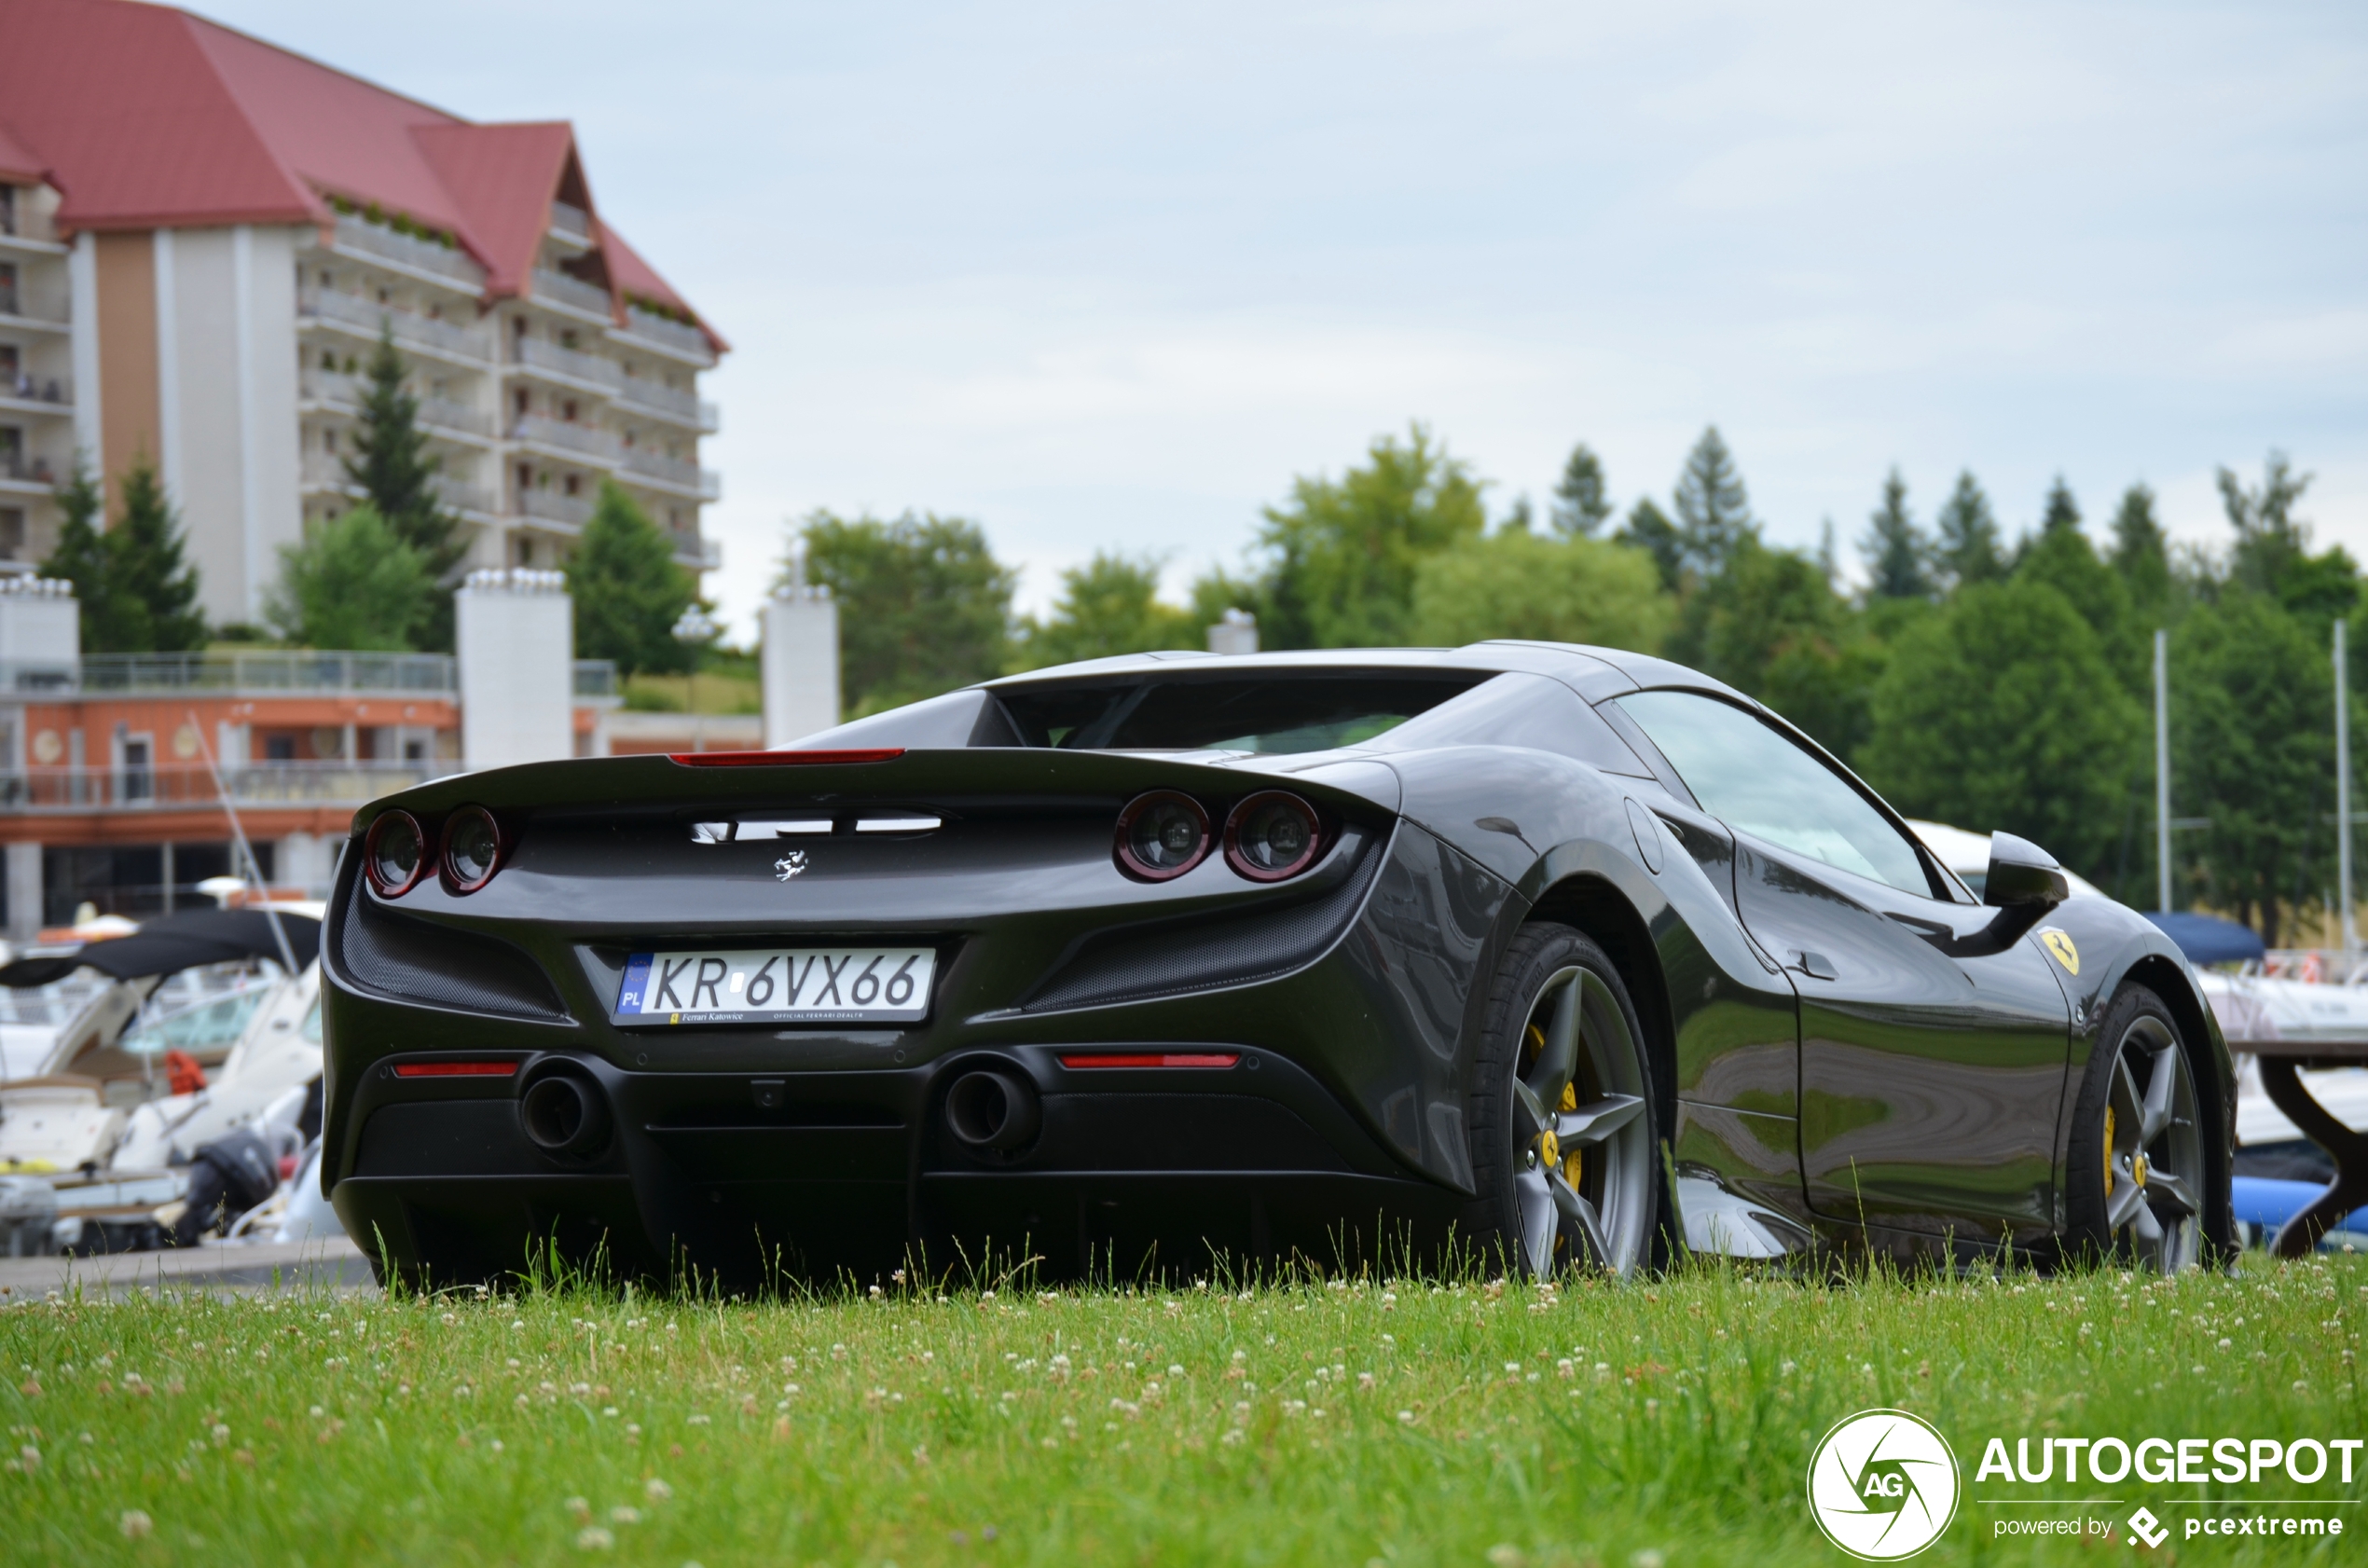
pixel 1932 1042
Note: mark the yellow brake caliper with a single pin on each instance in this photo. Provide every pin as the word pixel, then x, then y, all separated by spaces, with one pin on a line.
pixel 2109 1151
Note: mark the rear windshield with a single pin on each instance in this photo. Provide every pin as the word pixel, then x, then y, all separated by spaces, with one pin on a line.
pixel 1262 713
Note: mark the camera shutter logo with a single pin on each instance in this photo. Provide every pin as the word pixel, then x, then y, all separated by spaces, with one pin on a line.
pixel 1882 1485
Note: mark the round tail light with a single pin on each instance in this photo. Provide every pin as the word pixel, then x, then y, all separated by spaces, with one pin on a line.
pixel 1162 834
pixel 395 854
pixel 1272 836
pixel 471 848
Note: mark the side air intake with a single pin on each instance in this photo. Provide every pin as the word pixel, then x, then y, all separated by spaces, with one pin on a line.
pixel 411 960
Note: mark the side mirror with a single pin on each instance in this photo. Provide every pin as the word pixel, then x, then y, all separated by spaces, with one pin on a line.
pixel 2022 875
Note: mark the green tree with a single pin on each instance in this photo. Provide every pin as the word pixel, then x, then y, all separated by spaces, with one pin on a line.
pixel 81 555
pixel 151 598
pixel 1772 626
pixel 2001 712
pixel 1714 511
pixel 2252 752
pixel 2141 555
pixel 351 585
pixel 924 605
pixel 1108 606
pixel 1581 503
pixel 1895 549
pixel 1550 587
pixel 1346 551
pixel 2061 557
pixel 1649 530
pixel 2272 552
pixel 393 467
pixel 1968 550
pixel 628 592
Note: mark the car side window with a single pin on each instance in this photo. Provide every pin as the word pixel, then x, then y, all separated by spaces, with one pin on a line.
pixel 1756 781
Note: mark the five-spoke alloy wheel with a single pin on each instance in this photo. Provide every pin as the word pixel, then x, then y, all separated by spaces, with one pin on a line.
pixel 1563 1125
pixel 2137 1153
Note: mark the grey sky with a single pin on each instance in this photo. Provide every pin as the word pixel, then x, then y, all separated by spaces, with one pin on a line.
pixel 1108 277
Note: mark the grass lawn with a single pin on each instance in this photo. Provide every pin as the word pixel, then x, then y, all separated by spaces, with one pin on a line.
pixel 1648 1426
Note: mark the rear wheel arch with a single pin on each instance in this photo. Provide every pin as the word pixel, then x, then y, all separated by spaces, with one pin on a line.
pixel 1599 911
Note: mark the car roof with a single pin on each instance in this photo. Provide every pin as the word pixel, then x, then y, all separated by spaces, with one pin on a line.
pixel 1594 673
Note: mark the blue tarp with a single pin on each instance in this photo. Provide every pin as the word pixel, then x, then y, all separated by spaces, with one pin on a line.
pixel 2261 1200
pixel 2206 939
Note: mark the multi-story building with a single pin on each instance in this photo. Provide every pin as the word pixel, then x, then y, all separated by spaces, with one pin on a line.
pixel 201 238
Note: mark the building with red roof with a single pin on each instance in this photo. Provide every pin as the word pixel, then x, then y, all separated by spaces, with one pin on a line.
pixel 201 238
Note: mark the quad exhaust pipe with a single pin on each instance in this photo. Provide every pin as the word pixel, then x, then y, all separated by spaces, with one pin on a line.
pixel 991 1109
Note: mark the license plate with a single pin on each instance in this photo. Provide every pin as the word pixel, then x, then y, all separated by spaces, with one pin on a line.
pixel 778 985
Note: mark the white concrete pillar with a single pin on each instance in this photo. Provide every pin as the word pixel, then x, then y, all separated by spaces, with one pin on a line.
pixel 1234 632
pixel 24 892
pixel 40 632
pixel 305 861
pixel 516 632
pixel 800 663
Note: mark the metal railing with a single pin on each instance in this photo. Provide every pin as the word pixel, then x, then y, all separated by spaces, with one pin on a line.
pixel 167 785
pixel 668 336
pixel 38 388
pixel 678 403
pixel 425 255
pixel 596 678
pixel 568 436
pixel 325 471
pixel 346 393
pixel 409 326
pixel 28 470
pixel 551 506
pixel 665 470
pixel 569 219
pixel 535 355
pixel 271 669
pixel 704 553
pixel 557 288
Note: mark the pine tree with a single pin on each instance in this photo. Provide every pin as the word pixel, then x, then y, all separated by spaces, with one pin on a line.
pixel 1896 548
pixel 1714 513
pixel 152 590
pixel 628 593
pixel 2061 512
pixel 2270 538
pixel 1648 528
pixel 1968 550
pixel 2141 552
pixel 81 555
pixel 394 465
pixel 1580 505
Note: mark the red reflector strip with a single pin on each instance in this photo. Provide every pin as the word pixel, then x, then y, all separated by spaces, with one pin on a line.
pixel 455 1069
pixel 1153 1059
pixel 782 759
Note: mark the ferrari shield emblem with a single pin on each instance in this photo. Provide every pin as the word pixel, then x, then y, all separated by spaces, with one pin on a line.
pixel 2060 942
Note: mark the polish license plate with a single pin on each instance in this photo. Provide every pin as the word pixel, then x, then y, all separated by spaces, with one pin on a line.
pixel 778 985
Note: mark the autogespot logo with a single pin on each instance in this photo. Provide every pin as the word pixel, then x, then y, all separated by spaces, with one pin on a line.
pixel 1882 1485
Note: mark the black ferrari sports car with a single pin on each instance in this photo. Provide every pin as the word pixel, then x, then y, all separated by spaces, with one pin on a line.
pixel 1560 955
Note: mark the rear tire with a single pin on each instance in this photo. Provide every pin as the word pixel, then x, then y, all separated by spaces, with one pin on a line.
pixel 2135 1188
pixel 1566 1129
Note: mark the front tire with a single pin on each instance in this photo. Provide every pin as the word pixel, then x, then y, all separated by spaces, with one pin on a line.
pixel 2134 1192
pixel 1565 1134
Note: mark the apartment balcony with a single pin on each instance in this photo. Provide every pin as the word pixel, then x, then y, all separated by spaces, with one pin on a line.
pixel 673 405
pixel 571 294
pixel 571 226
pixel 563 438
pixel 646 329
pixel 36 394
pixel 325 471
pixel 673 473
pixel 19 310
pixel 423 259
pixel 333 389
pixel 700 554
pixel 171 786
pixel 568 512
pixel 569 367
pixel 21 475
pixel 471 345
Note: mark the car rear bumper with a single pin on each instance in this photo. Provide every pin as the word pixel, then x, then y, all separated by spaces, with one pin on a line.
pixel 815 1175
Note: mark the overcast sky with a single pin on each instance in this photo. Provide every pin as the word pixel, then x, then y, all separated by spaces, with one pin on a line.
pixel 1108 277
